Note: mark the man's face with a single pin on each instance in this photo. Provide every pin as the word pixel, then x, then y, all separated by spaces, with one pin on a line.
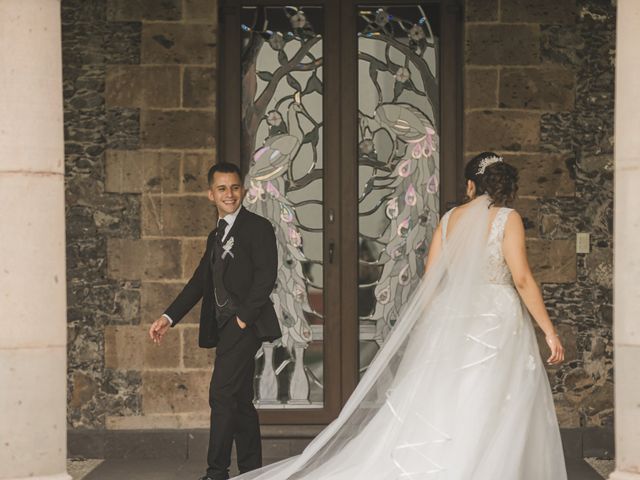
pixel 226 192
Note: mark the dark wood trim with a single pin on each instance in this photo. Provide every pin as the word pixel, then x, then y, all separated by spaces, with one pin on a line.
pixel 332 199
pixel 316 416
pixel 229 118
pixel 279 3
pixel 460 45
pixel 451 99
pixel 333 285
pixel 340 137
pixel 349 193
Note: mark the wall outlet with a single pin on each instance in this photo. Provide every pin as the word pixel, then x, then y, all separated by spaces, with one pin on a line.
pixel 583 242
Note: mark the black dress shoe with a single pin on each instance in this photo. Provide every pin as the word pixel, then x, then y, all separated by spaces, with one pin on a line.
pixel 207 477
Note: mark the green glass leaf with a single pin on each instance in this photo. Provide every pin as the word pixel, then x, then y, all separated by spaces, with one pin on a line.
pixel 378 65
pixel 312 137
pixel 294 83
pixel 282 57
pixel 373 72
pixel 313 85
pixel 397 90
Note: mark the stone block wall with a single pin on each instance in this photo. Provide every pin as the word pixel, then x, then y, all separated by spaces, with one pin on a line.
pixel 539 86
pixel 139 89
pixel 140 82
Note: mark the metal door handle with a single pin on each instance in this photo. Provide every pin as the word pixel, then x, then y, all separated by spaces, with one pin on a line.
pixel 331 250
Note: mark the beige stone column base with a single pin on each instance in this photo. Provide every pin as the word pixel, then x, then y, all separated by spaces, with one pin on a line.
pixel 61 476
pixel 624 476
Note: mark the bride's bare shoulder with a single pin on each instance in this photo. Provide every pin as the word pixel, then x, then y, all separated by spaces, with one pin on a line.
pixel 514 223
pixel 446 214
pixel 513 214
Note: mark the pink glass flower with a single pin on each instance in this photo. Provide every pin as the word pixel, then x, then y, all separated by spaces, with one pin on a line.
pixel 404 169
pixel 411 198
pixel 286 214
pixel 272 190
pixel 403 227
pixel 404 276
pixel 432 184
pixel 294 237
pixel 384 295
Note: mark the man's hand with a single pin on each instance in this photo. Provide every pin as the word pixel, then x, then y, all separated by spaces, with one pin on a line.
pixel 158 329
pixel 241 324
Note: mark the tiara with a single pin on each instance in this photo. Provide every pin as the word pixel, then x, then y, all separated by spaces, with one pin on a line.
pixel 485 162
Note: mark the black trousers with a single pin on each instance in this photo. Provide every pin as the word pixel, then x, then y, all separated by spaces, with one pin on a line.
pixel 233 416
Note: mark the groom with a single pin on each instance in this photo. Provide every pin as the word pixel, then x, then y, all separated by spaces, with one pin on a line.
pixel 234 280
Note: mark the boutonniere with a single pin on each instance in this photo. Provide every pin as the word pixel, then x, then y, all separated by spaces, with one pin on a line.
pixel 228 245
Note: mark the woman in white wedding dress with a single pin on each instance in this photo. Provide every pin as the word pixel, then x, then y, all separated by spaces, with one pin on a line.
pixel 459 390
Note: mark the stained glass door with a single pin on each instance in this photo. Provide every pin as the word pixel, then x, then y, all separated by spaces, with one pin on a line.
pixel 398 161
pixel 283 133
pixel 334 111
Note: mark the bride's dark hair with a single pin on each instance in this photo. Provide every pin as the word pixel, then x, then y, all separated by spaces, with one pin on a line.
pixel 496 178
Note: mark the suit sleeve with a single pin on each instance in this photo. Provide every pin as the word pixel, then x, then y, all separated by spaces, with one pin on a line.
pixel 264 253
pixel 190 294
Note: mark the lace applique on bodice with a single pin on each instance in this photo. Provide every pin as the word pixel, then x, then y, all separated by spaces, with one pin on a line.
pixel 496 266
pixel 497 269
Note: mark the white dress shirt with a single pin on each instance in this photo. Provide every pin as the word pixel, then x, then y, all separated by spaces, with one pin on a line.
pixel 230 218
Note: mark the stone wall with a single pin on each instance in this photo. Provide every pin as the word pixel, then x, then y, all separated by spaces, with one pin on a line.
pixel 139 123
pixel 539 89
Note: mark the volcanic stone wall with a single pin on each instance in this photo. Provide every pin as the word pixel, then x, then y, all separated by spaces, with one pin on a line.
pixel 140 81
pixel 539 90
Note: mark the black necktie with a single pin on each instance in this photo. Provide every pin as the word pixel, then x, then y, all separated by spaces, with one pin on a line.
pixel 222 226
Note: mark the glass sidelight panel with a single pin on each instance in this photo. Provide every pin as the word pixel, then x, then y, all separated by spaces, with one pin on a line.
pixel 282 118
pixel 398 160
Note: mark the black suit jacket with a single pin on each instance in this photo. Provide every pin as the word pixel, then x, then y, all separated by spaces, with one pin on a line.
pixel 249 277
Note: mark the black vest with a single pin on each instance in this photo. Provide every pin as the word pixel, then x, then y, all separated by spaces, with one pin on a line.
pixel 225 306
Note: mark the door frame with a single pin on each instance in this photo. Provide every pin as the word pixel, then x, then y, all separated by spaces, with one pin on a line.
pixel 340 180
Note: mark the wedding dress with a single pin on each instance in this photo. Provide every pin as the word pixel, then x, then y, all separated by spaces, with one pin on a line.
pixel 457 392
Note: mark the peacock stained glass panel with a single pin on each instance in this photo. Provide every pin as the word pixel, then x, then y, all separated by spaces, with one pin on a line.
pixel 398 161
pixel 282 135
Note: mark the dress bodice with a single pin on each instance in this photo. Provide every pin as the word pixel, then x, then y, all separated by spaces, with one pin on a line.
pixel 497 269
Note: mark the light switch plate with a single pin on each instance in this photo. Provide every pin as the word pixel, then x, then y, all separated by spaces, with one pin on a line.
pixel 583 242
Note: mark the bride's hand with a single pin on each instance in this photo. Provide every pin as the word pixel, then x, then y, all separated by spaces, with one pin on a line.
pixel 557 350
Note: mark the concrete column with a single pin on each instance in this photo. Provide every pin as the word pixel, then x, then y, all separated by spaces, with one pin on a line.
pixel 627 242
pixel 32 250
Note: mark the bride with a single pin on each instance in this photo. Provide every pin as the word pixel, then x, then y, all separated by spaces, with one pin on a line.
pixel 458 391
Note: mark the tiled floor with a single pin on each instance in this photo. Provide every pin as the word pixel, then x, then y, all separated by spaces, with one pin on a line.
pixel 172 469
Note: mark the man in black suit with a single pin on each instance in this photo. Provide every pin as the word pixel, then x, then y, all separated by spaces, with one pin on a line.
pixel 234 280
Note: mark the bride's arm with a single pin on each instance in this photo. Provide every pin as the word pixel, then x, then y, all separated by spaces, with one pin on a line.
pixel 515 254
pixel 434 248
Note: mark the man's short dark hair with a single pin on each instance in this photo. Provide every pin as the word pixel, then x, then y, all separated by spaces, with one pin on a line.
pixel 224 167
